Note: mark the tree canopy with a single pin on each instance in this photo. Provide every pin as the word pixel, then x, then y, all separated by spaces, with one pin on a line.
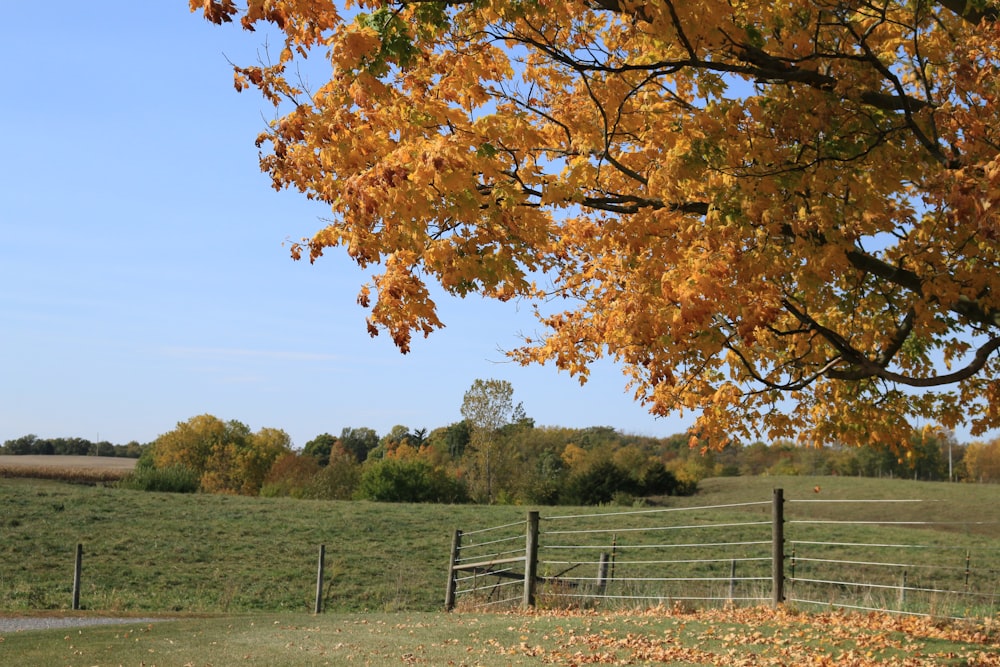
pixel 781 215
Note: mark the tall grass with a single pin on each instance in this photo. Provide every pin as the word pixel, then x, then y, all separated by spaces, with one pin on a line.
pixel 172 479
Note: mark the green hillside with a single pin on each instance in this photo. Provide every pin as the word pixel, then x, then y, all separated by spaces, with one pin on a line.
pixel 212 553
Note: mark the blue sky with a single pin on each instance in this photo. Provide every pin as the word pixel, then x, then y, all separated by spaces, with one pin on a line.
pixel 144 274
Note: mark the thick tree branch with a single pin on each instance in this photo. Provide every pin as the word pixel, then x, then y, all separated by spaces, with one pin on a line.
pixel 862 368
pixel 908 279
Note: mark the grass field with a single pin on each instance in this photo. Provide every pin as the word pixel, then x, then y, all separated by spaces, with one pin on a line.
pixel 922 548
pixel 204 553
pixel 238 575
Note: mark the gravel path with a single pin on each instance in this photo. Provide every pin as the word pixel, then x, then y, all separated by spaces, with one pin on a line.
pixel 21 623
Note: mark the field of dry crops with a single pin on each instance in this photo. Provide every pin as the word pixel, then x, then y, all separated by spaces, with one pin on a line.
pixel 87 469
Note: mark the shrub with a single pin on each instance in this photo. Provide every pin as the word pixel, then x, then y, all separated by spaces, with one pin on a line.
pixel 290 475
pixel 172 479
pixel 338 480
pixel 656 480
pixel 409 481
pixel 597 485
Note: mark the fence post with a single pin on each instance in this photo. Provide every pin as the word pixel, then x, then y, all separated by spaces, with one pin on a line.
pixel 449 594
pixel 76 576
pixel 778 547
pixel 319 579
pixel 602 572
pixel 732 579
pixel 530 559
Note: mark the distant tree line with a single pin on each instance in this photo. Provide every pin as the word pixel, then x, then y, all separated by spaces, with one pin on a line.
pixel 32 444
pixel 496 454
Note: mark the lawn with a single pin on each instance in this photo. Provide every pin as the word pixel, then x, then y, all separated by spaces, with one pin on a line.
pixel 657 636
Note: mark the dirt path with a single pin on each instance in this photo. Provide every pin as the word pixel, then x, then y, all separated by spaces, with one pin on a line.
pixel 10 624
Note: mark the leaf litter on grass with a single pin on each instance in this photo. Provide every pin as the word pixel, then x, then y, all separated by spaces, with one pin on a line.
pixel 753 637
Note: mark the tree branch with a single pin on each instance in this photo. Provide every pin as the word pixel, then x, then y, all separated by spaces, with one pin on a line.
pixel 965 306
pixel 969 11
pixel 862 367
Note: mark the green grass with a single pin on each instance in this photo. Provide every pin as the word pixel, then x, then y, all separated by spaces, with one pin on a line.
pixel 254 559
pixel 660 636
pixel 172 552
pixel 654 562
pixel 204 553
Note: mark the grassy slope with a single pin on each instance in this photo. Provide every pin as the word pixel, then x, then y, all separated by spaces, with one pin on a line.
pixel 220 553
pixel 164 552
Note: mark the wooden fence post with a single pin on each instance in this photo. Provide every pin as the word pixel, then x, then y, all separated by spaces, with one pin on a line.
pixel 530 559
pixel 732 579
pixel 602 572
pixel 902 593
pixel 76 576
pixel 449 594
pixel 319 579
pixel 778 547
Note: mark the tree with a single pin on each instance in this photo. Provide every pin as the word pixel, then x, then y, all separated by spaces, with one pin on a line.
pixel 266 446
pixel 226 456
pixel 359 441
pixel 982 461
pixel 456 438
pixel 319 448
pixel 23 445
pixel 783 215
pixel 290 475
pixel 338 480
pixel 191 443
pixel 487 407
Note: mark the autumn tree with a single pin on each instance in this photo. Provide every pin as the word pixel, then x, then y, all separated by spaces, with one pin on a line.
pixel 226 456
pixel 982 461
pixel 192 442
pixel 487 407
pixel 781 215
pixel 291 475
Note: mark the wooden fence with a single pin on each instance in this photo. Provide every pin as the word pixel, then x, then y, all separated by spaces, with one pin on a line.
pixel 746 553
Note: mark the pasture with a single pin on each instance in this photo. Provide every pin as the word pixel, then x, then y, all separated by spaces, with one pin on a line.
pixel 237 577
pixel 210 553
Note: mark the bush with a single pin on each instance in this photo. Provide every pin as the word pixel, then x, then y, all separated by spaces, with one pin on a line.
pixel 597 485
pixel 337 481
pixel 409 481
pixel 656 480
pixel 290 475
pixel 172 479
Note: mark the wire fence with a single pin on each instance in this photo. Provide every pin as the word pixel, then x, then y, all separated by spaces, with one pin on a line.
pixel 656 556
pixel 813 553
pixel 489 567
pixel 947 567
